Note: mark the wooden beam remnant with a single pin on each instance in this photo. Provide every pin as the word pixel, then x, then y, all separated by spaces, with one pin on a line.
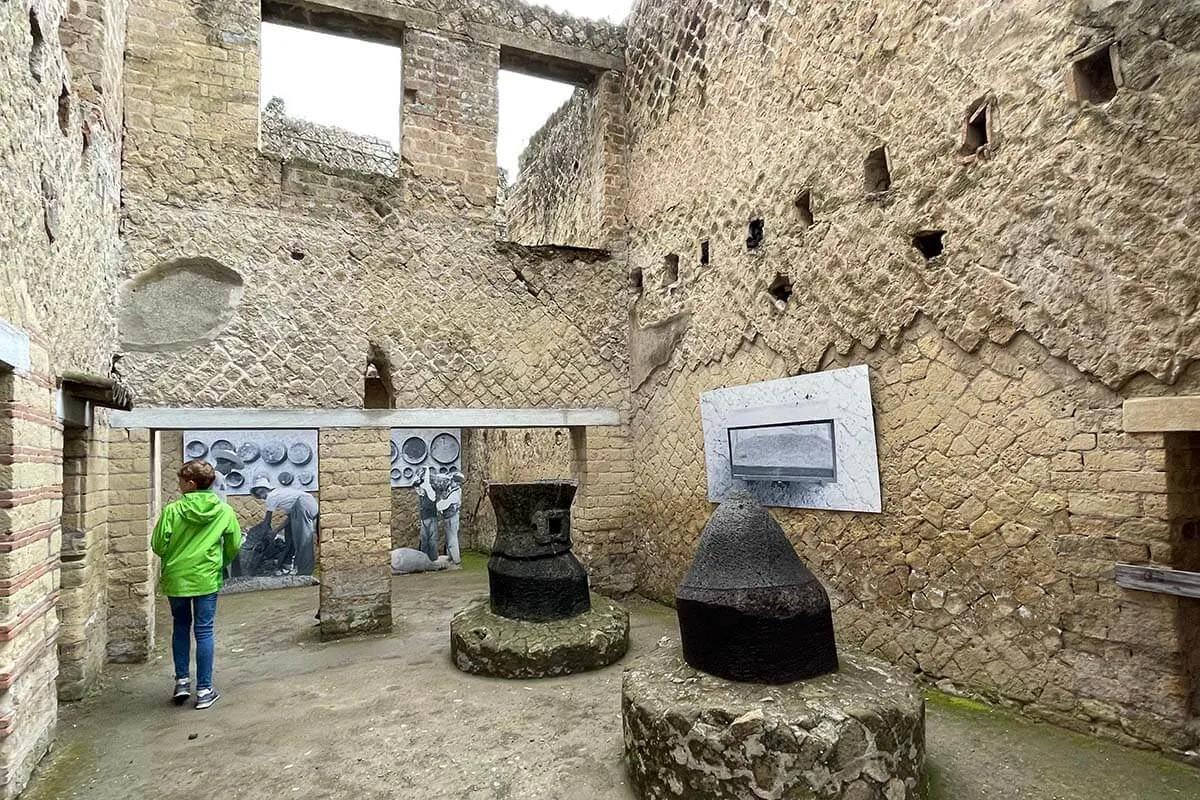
pixel 1158 579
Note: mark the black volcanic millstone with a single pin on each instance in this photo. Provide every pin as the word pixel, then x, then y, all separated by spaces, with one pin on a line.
pixel 532 574
pixel 749 609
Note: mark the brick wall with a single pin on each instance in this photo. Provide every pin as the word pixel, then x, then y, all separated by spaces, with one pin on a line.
pixel 82 607
pixel 408 267
pixel 295 139
pixel 60 112
pixel 353 553
pixel 30 534
pixel 132 569
pixel 448 121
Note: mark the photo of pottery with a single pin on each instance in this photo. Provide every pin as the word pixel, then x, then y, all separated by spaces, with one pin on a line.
pixel 285 458
pixel 414 449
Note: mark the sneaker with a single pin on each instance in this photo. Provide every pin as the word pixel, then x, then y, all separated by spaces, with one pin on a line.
pixel 205 698
pixel 183 690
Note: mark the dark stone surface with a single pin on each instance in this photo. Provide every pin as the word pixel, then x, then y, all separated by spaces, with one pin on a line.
pixel 749 609
pixel 532 574
pixel 532 519
pixel 540 590
pixel 484 643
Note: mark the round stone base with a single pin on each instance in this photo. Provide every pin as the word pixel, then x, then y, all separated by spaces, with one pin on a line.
pixel 484 643
pixel 856 734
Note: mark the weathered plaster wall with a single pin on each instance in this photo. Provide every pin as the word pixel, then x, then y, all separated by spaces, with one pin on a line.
pixel 1067 283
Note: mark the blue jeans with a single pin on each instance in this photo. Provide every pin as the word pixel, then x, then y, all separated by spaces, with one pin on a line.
pixel 194 614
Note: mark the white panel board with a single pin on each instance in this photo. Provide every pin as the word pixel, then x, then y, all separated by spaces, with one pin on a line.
pixel 784 414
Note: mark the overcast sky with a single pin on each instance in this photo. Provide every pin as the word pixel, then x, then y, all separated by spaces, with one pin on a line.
pixel 356 85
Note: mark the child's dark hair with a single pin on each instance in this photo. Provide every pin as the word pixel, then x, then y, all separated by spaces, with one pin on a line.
pixel 200 473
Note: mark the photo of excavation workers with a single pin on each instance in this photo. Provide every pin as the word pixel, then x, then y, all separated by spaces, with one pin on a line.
pixel 284 542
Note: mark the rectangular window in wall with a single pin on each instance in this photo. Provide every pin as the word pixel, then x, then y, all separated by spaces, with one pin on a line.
pixel 330 99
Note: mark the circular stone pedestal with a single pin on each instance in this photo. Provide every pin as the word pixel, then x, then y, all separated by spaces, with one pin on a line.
pixel 484 643
pixel 856 734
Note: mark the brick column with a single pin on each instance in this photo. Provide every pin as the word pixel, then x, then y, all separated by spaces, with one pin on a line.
pixel 355 538
pixel 132 567
pixel 610 124
pixel 448 119
pixel 602 463
pixel 82 607
pixel 30 507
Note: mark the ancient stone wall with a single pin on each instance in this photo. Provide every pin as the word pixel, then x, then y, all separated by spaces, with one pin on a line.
pixel 288 139
pixel 60 168
pixel 571 187
pixel 355 539
pixel 82 610
pixel 1011 264
pixel 555 198
pixel 60 111
pixel 261 282
pixel 131 569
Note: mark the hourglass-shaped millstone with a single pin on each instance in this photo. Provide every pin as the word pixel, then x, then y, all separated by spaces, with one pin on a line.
pixel 532 573
pixel 749 609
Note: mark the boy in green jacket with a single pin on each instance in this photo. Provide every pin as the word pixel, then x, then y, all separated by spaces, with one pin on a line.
pixel 196 537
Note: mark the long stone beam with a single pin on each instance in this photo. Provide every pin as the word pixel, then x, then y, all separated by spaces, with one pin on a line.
pixel 541 53
pixel 308 418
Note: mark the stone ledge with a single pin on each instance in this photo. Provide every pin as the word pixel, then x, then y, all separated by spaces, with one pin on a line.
pixel 484 643
pixel 269 419
pixel 1161 414
pixel 857 734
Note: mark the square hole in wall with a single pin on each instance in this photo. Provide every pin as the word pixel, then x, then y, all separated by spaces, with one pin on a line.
pixel 1096 77
pixel 756 234
pixel 781 288
pixel 929 243
pixel 976 137
pixel 877 177
pixel 636 283
pixel 330 98
pixel 670 274
pixel 804 208
pixel 705 253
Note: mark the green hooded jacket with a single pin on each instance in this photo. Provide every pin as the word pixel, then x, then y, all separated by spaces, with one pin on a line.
pixel 196 537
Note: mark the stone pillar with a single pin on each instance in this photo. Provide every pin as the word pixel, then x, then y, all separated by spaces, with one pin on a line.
pixel 354 540
pixel 602 465
pixel 30 507
pixel 132 567
pixel 610 123
pixel 82 608
pixel 448 119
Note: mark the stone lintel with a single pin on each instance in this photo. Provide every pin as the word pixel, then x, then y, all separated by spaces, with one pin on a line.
pixel 309 418
pixel 547 59
pixel 14 348
pixel 384 22
pixel 369 20
pixel 1162 414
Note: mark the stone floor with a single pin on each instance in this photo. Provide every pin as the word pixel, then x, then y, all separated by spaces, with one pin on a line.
pixel 390 717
